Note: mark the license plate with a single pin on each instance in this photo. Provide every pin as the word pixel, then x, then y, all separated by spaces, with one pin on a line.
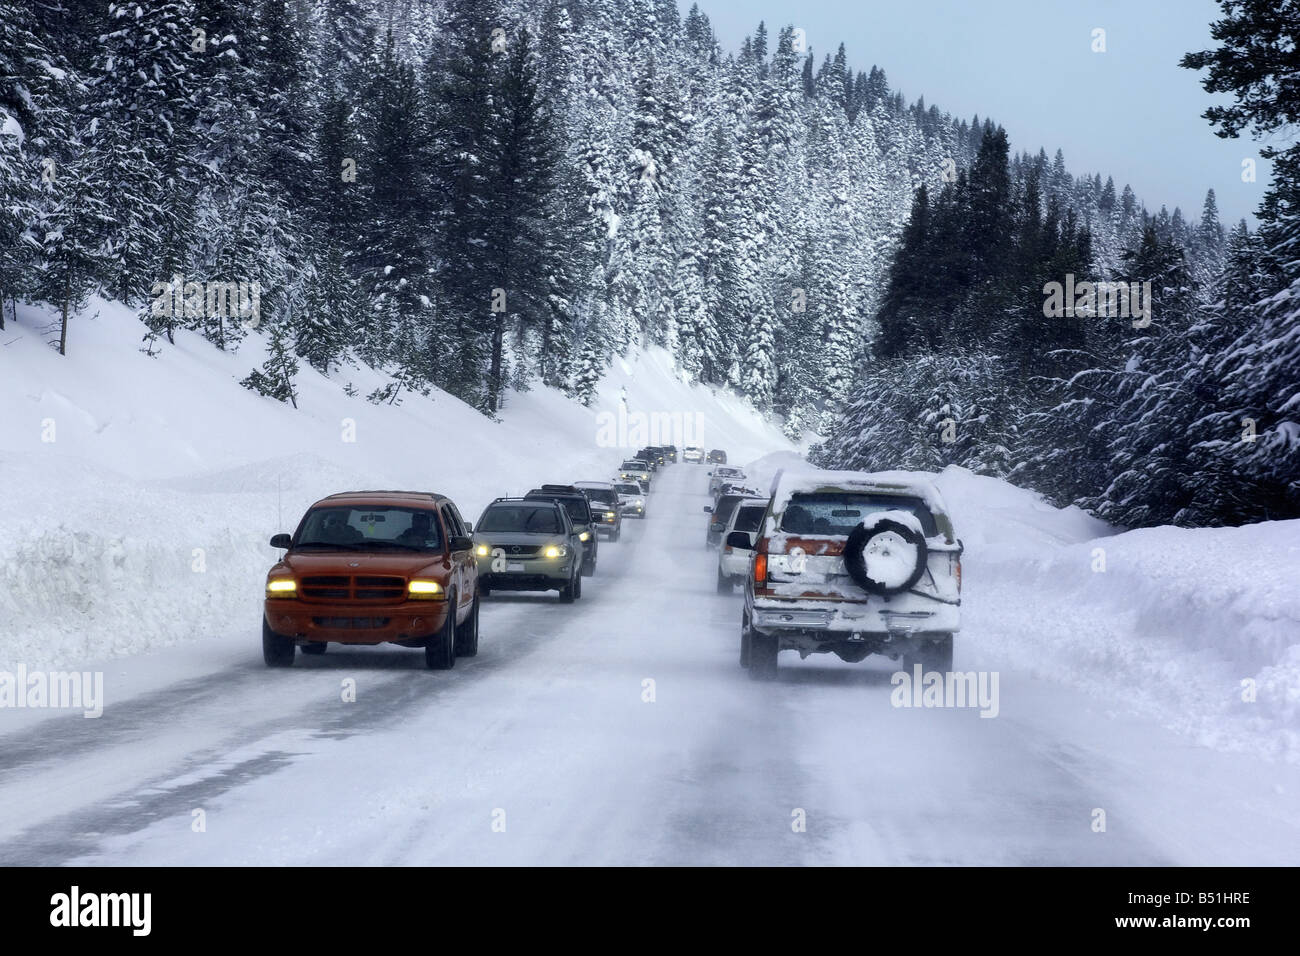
pixel 514 567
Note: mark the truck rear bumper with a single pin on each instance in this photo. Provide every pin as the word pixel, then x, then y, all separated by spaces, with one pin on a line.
pixel 837 620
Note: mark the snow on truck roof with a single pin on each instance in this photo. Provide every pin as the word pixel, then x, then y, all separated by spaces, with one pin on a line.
pixel 793 481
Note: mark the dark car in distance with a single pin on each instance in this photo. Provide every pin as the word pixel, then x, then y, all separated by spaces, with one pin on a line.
pixel 580 513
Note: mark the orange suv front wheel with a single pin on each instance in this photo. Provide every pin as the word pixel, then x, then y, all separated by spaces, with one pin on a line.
pixel 277 650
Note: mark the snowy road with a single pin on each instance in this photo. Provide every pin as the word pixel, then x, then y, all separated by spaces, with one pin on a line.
pixel 543 749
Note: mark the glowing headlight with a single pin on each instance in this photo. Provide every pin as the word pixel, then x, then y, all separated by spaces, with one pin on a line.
pixel 584 536
pixel 281 588
pixel 610 515
pixel 482 551
pixel 556 551
pixel 425 590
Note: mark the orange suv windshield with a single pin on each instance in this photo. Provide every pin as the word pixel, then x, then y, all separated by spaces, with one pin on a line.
pixel 366 527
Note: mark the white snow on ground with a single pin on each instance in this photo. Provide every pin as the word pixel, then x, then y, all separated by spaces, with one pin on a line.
pixel 160 467
pixel 1120 689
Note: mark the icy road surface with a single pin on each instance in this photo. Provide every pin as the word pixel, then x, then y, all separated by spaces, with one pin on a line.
pixel 544 749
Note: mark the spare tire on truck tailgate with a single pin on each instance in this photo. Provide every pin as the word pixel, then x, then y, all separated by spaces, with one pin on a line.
pixel 885 556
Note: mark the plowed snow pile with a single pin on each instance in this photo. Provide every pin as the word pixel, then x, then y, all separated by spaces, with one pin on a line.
pixel 1198 628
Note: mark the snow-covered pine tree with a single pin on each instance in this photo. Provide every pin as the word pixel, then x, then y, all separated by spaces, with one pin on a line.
pixel 275 378
pixel 523 153
pixel 140 86
pixel 393 236
pixel 1260 370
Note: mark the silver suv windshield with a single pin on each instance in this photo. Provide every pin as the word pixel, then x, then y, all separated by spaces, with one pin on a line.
pixel 520 519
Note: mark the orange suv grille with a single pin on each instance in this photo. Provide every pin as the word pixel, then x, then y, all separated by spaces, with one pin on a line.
pixel 351 623
pixel 344 588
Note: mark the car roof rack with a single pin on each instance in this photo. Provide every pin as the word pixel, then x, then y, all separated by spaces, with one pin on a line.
pixel 397 494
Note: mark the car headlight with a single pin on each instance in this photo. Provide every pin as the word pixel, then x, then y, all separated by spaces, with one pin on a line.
pixel 585 536
pixel 482 551
pixel 611 515
pixel 556 551
pixel 424 590
pixel 281 588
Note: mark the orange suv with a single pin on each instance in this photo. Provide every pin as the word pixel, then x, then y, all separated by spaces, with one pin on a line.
pixel 374 567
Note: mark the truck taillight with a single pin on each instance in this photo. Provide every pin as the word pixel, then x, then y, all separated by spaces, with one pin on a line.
pixel 760 561
pixel 959 575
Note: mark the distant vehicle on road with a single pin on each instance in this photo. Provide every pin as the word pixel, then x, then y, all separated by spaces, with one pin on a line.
pixel 733 563
pixel 717 457
pixel 653 456
pixel 579 508
pixel 635 469
pixel 374 567
pixel 724 474
pixel 631 498
pixel 719 514
pixel 604 507
pixel 694 454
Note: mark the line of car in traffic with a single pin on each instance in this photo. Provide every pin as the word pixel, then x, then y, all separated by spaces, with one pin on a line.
pixel 404 567
pixel 849 563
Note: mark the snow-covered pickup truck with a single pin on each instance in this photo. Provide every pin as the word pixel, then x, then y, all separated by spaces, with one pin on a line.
pixel 851 563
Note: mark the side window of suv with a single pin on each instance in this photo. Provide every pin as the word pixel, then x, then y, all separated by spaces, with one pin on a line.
pixel 451 517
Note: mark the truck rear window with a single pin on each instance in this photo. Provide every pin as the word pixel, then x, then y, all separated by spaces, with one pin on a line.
pixel 836 514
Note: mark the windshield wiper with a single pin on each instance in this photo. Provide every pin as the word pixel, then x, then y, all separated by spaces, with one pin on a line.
pixel 338 546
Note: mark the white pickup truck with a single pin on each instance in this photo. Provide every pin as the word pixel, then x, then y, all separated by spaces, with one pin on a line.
pixel 851 563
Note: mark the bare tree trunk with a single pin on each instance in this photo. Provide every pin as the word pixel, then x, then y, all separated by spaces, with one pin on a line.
pixel 288 384
pixel 67 304
pixel 494 376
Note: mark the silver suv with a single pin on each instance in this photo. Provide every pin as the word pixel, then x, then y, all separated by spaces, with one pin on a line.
pixel 528 544
pixel 635 469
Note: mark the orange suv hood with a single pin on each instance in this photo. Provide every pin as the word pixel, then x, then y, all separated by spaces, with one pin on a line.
pixel 361 562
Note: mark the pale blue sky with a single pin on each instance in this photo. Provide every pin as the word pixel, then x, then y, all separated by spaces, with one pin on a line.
pixel 1130 112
